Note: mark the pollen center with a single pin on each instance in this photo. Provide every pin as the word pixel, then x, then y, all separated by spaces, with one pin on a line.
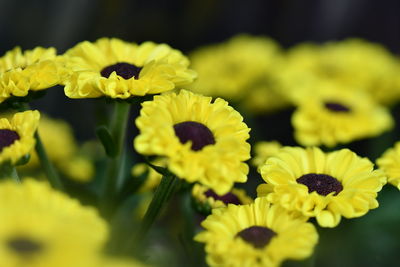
pixel 7 138
pixel 196 132
pixel 336 107
pixel 258 236
pixel 24 246
pixel 123 69
pixel 228 198
pixel 322 183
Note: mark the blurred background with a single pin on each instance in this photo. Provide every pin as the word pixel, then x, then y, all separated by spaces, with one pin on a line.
pixel 372 240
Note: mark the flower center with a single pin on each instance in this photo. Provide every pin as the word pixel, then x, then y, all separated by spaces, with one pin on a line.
pixel 7 138
pixel 24 246
pixel 228 198
pixel 322 183
pixel 336 107
pixel 258 236
pixel 196 132
pixel 123 69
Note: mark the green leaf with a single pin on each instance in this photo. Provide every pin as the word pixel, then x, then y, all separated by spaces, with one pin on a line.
pixel 107 140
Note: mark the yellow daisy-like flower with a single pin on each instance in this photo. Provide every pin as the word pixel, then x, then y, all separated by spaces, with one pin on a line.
pixel 45 228
pixel 322 185
pixel 352 63
pixel 264 150
pixel 258 234
pixel 336 116
pixel 203 141
pixel 17 135
pixel 153 178
pixel 118 69
pixel 62 149
pixel 243 70
pixel 205 196
pixel 22 71
pixel 389 162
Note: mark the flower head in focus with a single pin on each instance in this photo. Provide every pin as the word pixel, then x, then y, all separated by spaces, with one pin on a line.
pixel 119 69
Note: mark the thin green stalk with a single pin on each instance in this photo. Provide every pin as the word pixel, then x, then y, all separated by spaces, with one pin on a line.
pixel 161 196
pixel 48 167
pixel 14 175
pixel 115 166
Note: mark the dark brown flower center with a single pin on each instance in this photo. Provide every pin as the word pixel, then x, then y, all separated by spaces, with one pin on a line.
pixel 7 138
pixel 258 236
pixel 336 107
pixel 228 198
pixel 321 183
pixel 24 246
pixel 123 69
pixel 196 132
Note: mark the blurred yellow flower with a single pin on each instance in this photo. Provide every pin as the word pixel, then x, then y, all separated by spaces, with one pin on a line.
pixel 153 178
pixel 118 69
pixel 17 135
pixel 333 117
pixel 62 149
pixel 258 234
pixel 350 64
pixel 205 196
pixel 22 71
pixel 203 141
pixel 322 185
pixel 45 228
pixel 241 70
pixel 389 162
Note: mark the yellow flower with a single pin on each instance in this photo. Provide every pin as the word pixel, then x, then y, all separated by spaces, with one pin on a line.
pixel 353 63
pixel 243 70
pixel 34 70
pixel 389 162
pixel 322 185
pixel 153 178
pixel 203 141
pixel 333 116
pixel 205 196
pixel 118 69
pixel 62 149
pixel 17 135
pixel 264 150
pixel 258 234
pixel 45 228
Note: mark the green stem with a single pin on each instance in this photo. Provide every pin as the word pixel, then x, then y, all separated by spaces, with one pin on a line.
pixel 48 167
pixel 161 196
pixel 14 175
pixel 115 166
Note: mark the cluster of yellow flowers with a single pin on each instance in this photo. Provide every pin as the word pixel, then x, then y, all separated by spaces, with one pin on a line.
pixel 338 96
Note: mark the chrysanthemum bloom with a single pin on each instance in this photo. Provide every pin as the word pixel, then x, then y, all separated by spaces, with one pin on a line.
pixel 118 69
pixel 389 162
pixel 243 71
pixel 351 63
pixel 17 135
pixel 203 141
pixel 332 117
pixel 322 185
pixel 263 150
pixel 45 228
pixel 34 70
pixel 208 199
pixel 258 234
pixel 56 134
